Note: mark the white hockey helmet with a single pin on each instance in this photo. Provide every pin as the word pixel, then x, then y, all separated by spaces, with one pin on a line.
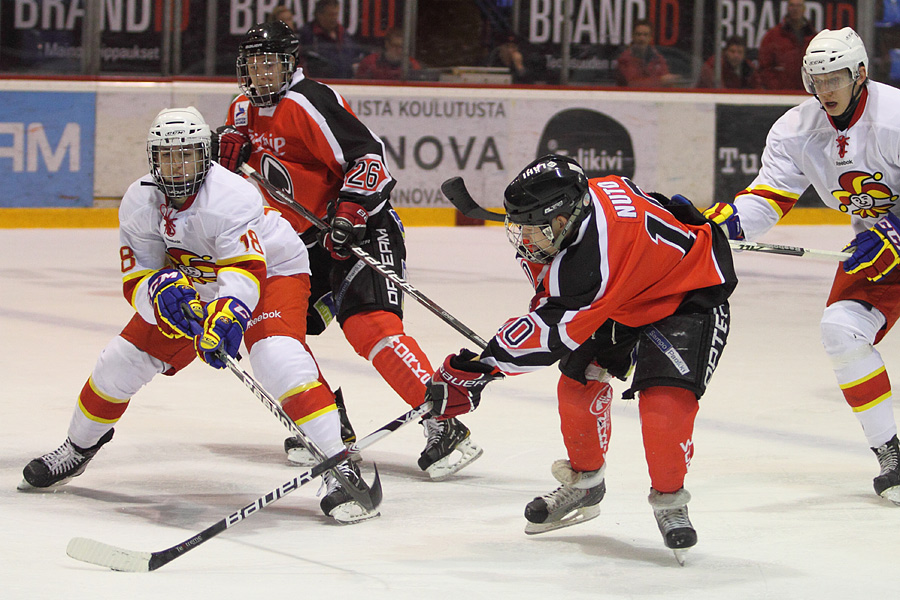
pixel 832 51
pixel 178 146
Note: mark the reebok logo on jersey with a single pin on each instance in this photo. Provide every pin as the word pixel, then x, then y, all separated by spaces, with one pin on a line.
pixel 275 314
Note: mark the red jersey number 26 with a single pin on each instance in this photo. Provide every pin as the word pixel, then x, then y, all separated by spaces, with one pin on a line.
pixel 367 175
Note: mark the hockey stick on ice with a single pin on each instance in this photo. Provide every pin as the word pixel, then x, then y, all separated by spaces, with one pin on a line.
pixel 366 258
pixel 455 191
pixel 368 501
pixel 120 559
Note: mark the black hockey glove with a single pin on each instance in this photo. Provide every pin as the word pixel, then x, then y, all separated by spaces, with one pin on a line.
pixel 348 227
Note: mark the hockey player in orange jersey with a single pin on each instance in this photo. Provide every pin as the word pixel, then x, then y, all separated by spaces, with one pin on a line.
pixel 303 137
pixel 622 278
pixel 196 236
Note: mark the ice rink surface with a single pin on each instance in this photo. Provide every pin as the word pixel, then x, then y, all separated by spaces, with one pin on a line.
pixel 781 478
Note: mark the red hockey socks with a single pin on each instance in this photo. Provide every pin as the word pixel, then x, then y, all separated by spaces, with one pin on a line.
pixel 379 338
pixel 667 424
pixel 584 413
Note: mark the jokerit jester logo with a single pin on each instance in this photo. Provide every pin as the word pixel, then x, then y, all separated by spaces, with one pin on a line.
pixel 598 142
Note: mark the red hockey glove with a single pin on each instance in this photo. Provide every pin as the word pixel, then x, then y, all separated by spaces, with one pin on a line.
pixel 348 227
pixel 223 330
pixel 231 148
pixel 726 216
pixel 876 251
pixel 455 388
pixel 171 293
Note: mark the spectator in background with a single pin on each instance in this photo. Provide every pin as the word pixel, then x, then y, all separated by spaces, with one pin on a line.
pixel 641 64
pixel 737 71
pixel 388 63
pixel 781 49
pixel 331 53
pixel 508 54
pixel 284 14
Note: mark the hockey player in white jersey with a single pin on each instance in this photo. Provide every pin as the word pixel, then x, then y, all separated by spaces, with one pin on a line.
pixel 845 142
pixel 205 267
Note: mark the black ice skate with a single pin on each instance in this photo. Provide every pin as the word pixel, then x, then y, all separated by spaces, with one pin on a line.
pixel 577 500
pixel 671 515
pixel 338 503
pixel 445 437
pixel 300 456
pixel 887 484
pixel 58 467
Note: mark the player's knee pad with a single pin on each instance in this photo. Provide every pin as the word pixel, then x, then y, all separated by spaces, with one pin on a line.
pixel 282 364
pixel 370 332
pixel 682 351
pixel 848 331
pixel 122 369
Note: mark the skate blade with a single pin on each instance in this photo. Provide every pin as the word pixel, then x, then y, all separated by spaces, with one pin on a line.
pixel 443 468
pixel 680 555
pixel 892 494
pixel 351 513
pixel 580 515
pixel 24 486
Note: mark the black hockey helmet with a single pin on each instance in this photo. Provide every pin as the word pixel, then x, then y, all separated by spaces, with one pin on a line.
pixel 265 79
pixel 550 186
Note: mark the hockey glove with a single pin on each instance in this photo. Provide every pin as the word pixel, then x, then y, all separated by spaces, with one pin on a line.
pixel 348 227
pixel 455 388
pixel 726 216
pixel 170 291
pixel 875 250
pixel 230 147
pixel 223 330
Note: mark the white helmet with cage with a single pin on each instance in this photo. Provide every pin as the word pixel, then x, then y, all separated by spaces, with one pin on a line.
pixel 829 52
pixel 178 146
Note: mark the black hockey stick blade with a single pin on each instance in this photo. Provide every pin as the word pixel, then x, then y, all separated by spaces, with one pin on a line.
pixel 455 191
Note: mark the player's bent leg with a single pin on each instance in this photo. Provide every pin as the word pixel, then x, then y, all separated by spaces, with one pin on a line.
pixel 584 412
pixel 120 371
pixel 848 332
pixel 378 337
pixel 285 368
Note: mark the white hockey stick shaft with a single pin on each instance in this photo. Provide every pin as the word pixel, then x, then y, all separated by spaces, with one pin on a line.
pixel 788 250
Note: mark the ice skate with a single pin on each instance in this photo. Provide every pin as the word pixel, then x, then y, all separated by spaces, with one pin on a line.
pixel 671 515
pixel 887 484
pixel 577 500
pixel 298 454
pixel 338 504
pixel 58 467
pixel 445 437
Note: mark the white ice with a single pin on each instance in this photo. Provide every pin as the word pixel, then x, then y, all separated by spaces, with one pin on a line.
pixel 781 478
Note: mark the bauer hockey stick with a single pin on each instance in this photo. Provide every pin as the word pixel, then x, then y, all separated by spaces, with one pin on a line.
pixel 120 559
pixel 455 191
pixel 366 258
pixel 369 501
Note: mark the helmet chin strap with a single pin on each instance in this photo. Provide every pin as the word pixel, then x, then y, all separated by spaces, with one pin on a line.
pixel 570 223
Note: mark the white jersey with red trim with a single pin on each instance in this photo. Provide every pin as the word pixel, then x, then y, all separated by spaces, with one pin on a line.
pixel 631 261
pixel 856 171
pixel 224 239
pixel 313 146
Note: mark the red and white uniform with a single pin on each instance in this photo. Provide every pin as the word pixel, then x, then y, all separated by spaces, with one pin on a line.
pixel 855 171
pixel 313 146
pixel 631 261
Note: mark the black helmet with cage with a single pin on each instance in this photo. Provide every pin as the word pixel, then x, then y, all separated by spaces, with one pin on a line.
pixel 551 186
pixel 267 59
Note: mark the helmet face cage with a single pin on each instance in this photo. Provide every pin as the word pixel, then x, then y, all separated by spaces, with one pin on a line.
pixel 550 186
pixel 265 77
pixel 266 62
pixel 178 148
pixel 829 52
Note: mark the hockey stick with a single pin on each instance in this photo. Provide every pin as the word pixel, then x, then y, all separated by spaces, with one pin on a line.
pixel 368 501
pixel 455 191
pixel 120 559
pixel 366 257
